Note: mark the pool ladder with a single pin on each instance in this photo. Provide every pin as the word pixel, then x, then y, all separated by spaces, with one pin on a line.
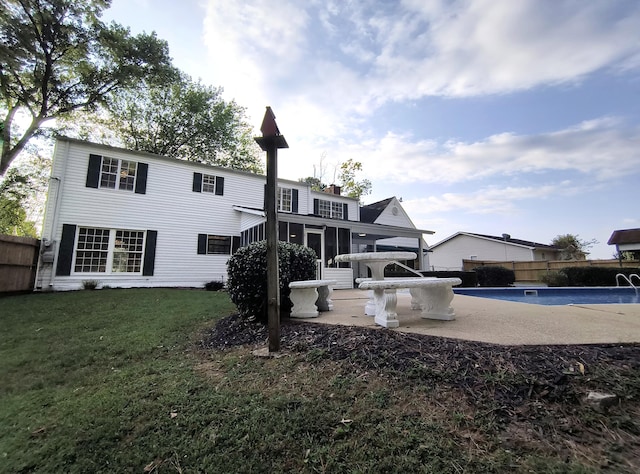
pixel 628 279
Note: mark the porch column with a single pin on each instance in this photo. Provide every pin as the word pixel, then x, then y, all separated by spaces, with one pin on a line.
pixel 420 254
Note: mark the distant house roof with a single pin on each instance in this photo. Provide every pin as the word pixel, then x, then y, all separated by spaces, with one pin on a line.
pixel 506 239
pixel 371 212
pixel 626 236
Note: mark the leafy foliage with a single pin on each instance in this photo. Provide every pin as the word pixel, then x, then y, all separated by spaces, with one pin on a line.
pixel 351 187
pixel 56 56
pixel 554 278
pixel 247 270
pixel 572 247
pixel 495 276
pixel 14 189
pixel 346 177
pixel 182 119
pixel 594 276
pixel 214 285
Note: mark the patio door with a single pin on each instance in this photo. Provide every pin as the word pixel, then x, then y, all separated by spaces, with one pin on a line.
pixel 314 239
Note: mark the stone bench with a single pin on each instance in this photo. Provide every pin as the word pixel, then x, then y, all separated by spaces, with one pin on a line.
pixel 310 296
pixel 432 296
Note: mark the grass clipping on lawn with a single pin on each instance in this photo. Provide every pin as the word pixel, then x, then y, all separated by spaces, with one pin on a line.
pixel 529 402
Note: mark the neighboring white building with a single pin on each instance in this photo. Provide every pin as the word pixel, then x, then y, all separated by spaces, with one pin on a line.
pixel 134 219
pixel 449 253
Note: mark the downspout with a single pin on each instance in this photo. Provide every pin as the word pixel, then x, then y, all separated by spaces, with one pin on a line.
pixel 56 208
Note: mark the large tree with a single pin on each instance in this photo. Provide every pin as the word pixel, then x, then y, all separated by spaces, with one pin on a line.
pixel 183 119
pixel 56 56
pixel 572 247
pixel 346 177
pixel 14 189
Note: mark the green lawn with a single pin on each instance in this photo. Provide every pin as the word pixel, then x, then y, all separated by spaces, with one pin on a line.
pixel 114 381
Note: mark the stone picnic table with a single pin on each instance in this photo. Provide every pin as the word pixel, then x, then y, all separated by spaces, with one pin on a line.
pixel 431 295
pixel 376 261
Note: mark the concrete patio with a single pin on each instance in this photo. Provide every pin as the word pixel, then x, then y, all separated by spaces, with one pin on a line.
pixel 500 322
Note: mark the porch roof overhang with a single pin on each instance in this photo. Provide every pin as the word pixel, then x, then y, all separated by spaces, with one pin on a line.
pixel 249 210
pixel 366 231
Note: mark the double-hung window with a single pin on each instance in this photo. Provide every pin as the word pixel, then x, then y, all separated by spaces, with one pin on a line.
pixel 208 183
pixel 105 172
pixel 330 209
pixel 118 174
pixel 108 250
pixel 285 199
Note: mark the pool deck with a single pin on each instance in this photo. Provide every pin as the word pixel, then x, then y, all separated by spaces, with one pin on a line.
pixel 500 322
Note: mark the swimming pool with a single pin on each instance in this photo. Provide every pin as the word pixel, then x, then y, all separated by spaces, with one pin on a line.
pixel 556 296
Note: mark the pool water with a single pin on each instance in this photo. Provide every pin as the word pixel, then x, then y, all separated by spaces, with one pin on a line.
pixel 556 296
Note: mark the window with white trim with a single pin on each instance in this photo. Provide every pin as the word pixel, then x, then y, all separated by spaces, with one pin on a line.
pixel 108 251
pixel 208 183
pixel 285 199
pixel 219 244
pixel 118 174
pixel 330 209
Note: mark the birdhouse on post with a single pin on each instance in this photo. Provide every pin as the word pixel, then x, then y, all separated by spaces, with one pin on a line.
pixel 270 141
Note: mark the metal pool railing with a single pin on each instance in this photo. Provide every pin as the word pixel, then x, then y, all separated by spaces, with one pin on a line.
pixel 628 279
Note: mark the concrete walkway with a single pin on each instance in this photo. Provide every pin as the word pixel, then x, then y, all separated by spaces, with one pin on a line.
pixel 501 322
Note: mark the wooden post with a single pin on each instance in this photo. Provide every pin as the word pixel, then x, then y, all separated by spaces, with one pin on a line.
pixel 270 141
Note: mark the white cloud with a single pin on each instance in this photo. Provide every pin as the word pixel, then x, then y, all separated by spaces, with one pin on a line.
pixel 299 58
pixel 603 149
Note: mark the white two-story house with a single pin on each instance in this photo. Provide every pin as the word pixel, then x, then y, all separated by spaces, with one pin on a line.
pixel 134 219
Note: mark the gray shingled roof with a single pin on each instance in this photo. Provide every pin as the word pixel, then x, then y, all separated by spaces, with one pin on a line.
pixel 371 212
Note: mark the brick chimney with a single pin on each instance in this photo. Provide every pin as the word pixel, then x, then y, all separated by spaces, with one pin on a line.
pixel 332 189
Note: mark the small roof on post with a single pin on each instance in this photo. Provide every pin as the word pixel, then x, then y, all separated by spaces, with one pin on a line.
pixel 270 132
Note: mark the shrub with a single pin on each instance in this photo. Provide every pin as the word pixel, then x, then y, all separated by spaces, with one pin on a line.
pixel 214 285
pixel 495 276
pixel 247 270
pixel 90 284
pixel 555 278
pixel 595 276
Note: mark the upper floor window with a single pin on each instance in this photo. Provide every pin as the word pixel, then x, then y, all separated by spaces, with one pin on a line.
pixel 207 183
pixel 118 174
pixel 330 209
pixel 113 173
pixel 285 199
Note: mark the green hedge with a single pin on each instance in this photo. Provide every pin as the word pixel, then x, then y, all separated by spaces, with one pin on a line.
pixel 247 270
pixel 490 275
pixel 595 276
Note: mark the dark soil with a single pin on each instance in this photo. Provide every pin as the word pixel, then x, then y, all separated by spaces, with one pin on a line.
pixel 532 388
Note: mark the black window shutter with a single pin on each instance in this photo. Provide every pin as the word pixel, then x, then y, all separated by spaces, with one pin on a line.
pixel 149 261
pixel 316 206
pixel 93 172
pixel 219 186
pixel 235 243
pixel 345 211
pixel 141 178
pixel 294 201
pixel 197 182
pixel 65 250
pixel 202 244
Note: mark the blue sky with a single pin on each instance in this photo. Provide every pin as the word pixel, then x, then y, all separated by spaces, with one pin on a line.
pixel 486 116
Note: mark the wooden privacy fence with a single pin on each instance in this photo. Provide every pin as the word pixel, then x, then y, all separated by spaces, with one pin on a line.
pixel 18 262
pixel 530 271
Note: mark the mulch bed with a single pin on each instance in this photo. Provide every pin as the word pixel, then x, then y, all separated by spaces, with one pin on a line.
pixel 537 385
pixel 516 373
